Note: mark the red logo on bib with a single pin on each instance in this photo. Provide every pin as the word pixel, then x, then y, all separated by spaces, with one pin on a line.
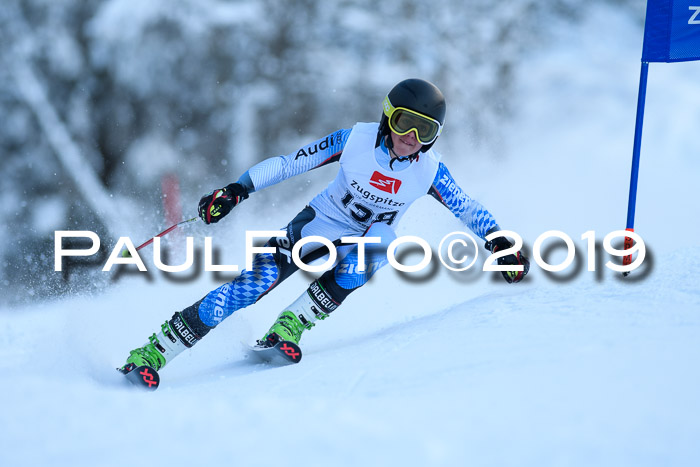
pixel 385 183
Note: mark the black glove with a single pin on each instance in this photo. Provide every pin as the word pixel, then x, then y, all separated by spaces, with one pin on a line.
pixel 502 243
pixel 218 203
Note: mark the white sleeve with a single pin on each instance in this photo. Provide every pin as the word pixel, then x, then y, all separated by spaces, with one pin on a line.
pixel 308 157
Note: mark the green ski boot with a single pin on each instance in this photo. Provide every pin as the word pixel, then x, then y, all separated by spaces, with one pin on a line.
pixel 280 344
pixel 147 355
pixel 143 363
pixel 287 328
pixel 299 316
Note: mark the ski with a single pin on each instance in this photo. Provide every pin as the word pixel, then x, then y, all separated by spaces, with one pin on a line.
pixel 282 353
pixel 143 376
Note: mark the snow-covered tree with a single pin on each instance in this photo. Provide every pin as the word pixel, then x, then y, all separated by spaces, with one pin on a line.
pixel 201 89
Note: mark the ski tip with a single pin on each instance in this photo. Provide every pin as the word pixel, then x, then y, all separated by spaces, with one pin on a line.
pixel 282 353
pixel 290 350
pixel 143 376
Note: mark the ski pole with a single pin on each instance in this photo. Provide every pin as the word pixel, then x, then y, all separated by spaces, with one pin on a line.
pixel 165 232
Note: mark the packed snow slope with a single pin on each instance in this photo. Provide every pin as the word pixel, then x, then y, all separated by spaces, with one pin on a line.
pixel 577 374
pixel 575 368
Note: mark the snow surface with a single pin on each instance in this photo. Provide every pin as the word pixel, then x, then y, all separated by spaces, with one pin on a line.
pixel 565 369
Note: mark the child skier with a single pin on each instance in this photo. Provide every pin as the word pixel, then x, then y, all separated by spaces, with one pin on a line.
pixel 384 167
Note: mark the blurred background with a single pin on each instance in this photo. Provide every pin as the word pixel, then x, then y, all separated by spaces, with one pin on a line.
pixel 110 107
pixel 116 116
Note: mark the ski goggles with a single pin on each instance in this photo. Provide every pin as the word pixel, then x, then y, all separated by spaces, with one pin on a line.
pixel 403 121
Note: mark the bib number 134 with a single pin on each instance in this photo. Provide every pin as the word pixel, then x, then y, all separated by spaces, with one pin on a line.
pixel 363 214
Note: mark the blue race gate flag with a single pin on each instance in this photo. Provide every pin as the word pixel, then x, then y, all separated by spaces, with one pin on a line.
pixel 671 34
pixel 672 31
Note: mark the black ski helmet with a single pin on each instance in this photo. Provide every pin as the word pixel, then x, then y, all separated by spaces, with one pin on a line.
pixel 418 95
